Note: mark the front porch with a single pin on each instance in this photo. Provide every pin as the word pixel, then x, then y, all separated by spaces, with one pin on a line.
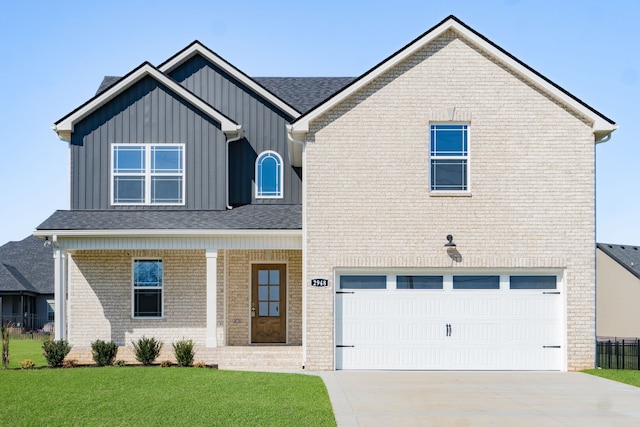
pixel 217 298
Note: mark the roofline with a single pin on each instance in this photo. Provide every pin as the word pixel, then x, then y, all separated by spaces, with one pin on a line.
pixel 601 246
pixel 602 125
pixel 198 48
pixel 65 126
pixel 166 232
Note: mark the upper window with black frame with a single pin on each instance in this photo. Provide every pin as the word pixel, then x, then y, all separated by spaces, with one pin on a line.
pixel 147 174
pixel 147 288
pixel 449 157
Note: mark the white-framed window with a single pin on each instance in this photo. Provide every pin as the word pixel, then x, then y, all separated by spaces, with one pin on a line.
pixel 449 157
pixel 51 310
pixel 269 175
pixel 147 174
pixel 148 298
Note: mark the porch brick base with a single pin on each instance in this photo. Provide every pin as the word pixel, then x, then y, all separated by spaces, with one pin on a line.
pixel 232 358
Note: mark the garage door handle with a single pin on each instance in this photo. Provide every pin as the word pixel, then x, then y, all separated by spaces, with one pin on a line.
pixel 448 329
pixel 343 346
pixel 550 346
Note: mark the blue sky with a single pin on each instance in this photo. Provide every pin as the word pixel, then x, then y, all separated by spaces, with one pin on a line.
pixel 54 55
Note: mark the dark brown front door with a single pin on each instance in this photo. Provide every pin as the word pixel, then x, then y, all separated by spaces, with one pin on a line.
pixel 268 303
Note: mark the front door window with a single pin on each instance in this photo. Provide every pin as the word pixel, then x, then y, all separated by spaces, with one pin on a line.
pixel 268 301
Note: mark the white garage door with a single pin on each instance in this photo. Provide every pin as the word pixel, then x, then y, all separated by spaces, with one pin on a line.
pixel 457 322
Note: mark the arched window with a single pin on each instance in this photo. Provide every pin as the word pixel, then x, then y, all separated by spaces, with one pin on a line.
pixel 269 175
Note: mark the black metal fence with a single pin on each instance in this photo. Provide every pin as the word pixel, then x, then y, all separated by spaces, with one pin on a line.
pixel 27 326
pixel 618 354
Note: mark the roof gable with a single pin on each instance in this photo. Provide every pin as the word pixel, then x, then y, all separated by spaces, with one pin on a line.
pixel 197 48
pixel 602 126
pixel 628 256
pixel 65 126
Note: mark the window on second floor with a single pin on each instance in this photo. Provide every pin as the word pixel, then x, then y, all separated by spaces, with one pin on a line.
pixel 147 174
pixel 449 158
pixel 269 175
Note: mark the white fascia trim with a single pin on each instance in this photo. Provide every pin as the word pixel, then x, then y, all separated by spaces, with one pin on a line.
pixel 601 127
pixel 164 232
pixel 65 127
pixel 198 48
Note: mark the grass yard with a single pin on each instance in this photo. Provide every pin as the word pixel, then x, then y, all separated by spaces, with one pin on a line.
pixel 620 375
pixel 145 396
pixel 25 349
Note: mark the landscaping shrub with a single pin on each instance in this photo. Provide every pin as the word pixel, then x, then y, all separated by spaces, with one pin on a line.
pixel 120 362
pixel 5 345
pixel 166 364
pixel 183 350
pixel 104 353
pixel 27 364
pixel 147 350
pixel 55 352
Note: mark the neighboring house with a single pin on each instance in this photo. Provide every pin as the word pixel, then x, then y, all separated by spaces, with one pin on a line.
pixel 26 286
pixel 617 291
pixel 279 224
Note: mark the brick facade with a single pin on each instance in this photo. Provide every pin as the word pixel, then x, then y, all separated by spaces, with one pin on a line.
pixel 531 201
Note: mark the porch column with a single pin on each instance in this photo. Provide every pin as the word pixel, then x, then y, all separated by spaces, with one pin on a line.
pixel 60 297
pixel 212 298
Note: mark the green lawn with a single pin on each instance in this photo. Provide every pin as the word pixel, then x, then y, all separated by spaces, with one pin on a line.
pixel 25 349
pixel 155 396
pixel 620 375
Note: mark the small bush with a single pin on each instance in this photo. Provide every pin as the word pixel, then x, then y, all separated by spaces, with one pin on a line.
pixel 183 350
pixel 120 362
pixel 55 352
pixel 104 353
pixel 199 365
pixel 27 364
pixel 166 364
pixel 70 363
pixel 147 350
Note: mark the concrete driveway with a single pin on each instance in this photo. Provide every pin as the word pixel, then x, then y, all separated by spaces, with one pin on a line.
pixel 438 398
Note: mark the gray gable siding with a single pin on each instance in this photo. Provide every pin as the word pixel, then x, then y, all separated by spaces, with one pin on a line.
pixel 264 126
pixel 148 112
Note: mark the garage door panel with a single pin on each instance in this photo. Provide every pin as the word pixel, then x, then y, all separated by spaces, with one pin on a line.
pixel 449 329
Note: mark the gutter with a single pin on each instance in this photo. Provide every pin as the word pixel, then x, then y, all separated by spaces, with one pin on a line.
pixel 167 232
pixel 293 137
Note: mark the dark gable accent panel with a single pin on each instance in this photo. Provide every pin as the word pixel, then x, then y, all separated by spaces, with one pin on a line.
pixel 264 126
pixel 148 112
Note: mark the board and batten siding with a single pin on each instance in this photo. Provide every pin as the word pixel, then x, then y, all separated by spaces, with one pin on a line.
pixel 264 126
pixel 148 112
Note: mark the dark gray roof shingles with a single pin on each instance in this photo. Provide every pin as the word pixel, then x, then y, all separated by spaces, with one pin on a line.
pixel 26 266
pixel 302 93
pixel 249 217
pixel 627 256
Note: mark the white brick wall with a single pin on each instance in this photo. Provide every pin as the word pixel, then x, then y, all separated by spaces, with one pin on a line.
pixel 531 180
pixel 100 298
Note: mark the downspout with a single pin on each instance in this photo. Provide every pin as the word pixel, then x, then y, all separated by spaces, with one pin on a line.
pixel 239 136
pixel 293 140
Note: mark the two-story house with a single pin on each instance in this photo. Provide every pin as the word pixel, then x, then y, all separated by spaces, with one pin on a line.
pixel 436 212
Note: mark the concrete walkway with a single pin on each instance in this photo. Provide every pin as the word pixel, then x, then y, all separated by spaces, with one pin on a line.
pixel 437 398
